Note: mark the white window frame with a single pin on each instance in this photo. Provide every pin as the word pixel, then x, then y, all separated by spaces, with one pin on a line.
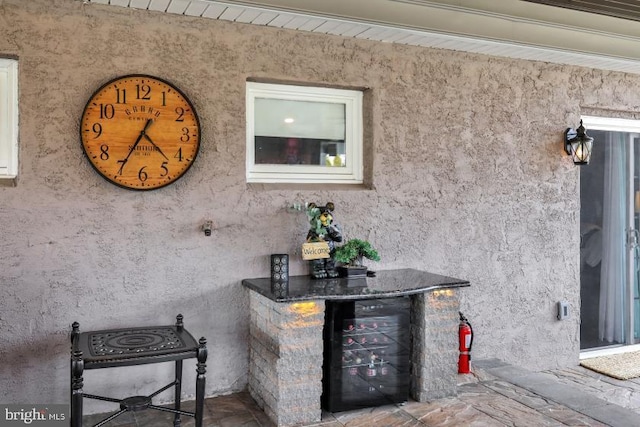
pixel 8 118
pixel 352 173
pixel 611 124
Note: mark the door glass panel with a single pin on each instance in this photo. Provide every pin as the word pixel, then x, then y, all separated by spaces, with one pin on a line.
pixel 604 253
pixel 636 248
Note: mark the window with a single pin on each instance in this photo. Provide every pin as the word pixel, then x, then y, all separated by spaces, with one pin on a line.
pixel 8 118
pixel 303 134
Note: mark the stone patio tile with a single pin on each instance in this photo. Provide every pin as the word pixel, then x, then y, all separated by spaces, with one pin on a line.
pixel 623 393
pixel 544 406
pixel 519 394
pixel 224 406
pixel 156 418
pixel 249 405
pixel 326 424
pixel 566 395
pixel 238 423
pixel 572 396
pixel 474 389
pixel 613 415
pixel 125 420
pixel 505 409
pixel 450 413
pixel 486 364
pixel 388 416
pixel 570 417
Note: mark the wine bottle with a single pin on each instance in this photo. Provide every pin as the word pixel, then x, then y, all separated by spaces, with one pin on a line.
pixel 384 369
pixel 371 369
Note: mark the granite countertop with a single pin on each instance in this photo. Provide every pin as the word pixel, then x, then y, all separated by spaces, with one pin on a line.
pixel 387 283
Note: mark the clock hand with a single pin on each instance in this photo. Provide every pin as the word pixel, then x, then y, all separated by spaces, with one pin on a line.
pixel 135 144
pixel 157 148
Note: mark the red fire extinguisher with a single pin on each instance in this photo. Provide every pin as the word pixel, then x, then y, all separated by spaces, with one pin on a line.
pixel 465 335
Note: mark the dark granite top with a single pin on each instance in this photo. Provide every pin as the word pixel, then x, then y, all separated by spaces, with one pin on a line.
pixel 387 283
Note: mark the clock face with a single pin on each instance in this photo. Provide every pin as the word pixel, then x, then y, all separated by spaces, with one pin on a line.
pixel 140 132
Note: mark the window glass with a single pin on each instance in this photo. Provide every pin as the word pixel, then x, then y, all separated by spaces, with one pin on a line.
pixel 303 134
pixel 8 118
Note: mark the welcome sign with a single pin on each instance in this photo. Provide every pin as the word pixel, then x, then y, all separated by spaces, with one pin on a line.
pixel 315 250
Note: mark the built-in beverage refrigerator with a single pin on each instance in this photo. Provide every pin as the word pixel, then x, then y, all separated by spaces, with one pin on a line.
pixel 366 353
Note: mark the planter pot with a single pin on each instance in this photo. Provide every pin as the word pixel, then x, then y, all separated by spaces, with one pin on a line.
pixel 352 272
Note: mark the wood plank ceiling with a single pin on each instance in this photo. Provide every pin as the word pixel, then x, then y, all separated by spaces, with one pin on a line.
pixel 611 51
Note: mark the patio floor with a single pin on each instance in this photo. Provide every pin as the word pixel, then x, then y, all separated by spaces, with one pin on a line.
pixel 496 394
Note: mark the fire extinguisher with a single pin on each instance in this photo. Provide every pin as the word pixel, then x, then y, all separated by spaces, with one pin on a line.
pixel 465 335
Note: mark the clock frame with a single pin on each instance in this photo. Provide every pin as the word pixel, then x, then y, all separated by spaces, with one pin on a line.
pixel 140 132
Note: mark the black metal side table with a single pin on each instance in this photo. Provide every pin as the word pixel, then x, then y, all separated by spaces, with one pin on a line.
pixel 113 348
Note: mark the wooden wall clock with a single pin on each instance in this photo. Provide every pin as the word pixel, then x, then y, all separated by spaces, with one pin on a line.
pixel 140 132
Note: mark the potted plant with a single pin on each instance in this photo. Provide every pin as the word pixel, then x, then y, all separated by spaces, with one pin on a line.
pixel 351 255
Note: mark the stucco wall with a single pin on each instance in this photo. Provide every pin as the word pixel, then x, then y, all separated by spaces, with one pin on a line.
pixel 468 179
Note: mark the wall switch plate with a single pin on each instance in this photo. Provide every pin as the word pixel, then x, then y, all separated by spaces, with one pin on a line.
pixel 563 310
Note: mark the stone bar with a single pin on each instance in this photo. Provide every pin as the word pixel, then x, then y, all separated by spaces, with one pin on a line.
pixel 285 359
pixel 434 353
pixel 286 347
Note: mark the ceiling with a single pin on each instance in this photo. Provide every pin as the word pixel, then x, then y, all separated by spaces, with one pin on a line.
pixel 625 9
pixel 602 34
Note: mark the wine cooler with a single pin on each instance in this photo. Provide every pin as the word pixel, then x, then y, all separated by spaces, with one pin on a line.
pixel 366 353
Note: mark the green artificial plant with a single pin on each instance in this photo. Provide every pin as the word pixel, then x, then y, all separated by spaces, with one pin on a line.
pixel 352 253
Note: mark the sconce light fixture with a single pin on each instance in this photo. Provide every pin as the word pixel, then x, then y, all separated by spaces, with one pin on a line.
pixel 578 145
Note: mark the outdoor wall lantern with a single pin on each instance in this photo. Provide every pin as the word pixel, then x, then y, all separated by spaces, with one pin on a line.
pixel 578 145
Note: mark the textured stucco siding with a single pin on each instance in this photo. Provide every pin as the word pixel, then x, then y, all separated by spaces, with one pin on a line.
pixel 465 168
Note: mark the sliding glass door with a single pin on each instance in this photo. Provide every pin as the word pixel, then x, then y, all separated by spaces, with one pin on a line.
pixel 609 224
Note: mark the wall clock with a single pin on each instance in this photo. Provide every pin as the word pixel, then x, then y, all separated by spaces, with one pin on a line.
pixel 140 132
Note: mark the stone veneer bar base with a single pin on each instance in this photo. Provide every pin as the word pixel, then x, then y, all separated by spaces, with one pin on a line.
pixel 285 359
pixel 286 353
pixel 434 352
